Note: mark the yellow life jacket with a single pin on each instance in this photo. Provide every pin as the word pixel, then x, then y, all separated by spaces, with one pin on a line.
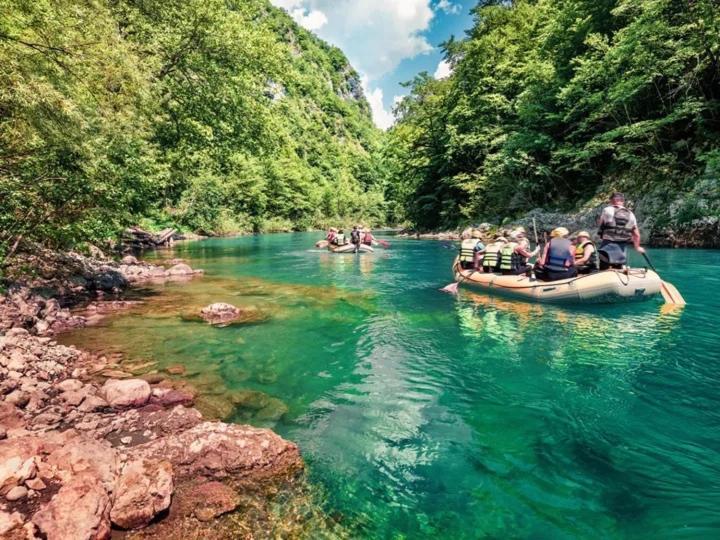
pixel 580 253
pixel 492 255
pixel 506 256
pixel 467 250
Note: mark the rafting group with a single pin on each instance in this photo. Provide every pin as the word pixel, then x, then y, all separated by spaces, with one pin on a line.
pixel 568 267
pixel 360 240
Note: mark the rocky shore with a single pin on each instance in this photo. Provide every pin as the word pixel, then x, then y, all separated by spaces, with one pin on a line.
pixel 84 453
pixel 700 233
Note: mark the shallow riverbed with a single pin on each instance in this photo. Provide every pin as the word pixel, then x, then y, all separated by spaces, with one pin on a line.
pixel 425 415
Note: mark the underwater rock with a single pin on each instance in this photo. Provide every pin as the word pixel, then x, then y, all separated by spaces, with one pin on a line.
pixel 221 314
pixel 176 369
pixel 218 407
pixel 212 499
pixel 259 405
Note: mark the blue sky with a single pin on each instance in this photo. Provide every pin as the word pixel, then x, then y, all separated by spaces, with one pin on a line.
pixel 387 41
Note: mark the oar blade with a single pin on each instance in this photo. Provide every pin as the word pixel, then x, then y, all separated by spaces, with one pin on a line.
pixel 451 289
pixel 671 295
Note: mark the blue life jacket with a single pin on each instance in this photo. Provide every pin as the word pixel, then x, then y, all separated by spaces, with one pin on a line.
pixel 559 257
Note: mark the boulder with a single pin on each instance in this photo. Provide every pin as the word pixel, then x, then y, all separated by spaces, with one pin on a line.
pixel 180 269
pixel 218 450
pixel 168 397
pixel 129 260
pixel 144 490
pixel 15 471
pixel 69 385
pixel 85 455
pixel 126 393
pixel 80 510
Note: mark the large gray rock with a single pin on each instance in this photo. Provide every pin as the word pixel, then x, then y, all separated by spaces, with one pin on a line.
pixel 143 491
pixel 126 393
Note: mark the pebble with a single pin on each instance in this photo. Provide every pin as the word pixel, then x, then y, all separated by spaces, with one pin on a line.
pixel 36 483
pixel 17 493
pixel 126 440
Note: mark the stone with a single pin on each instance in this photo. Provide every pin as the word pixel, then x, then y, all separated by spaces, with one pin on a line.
pixel 168 397
pixel 217 450
pixel 15 471
pixel 80 510
pixel 126 440
pixel 36 484
pixel 10 416
pixel 212 499
pixel 126 393
pixel 92 404
pixel 129 260
pixel 84 454
pixel 219 313
pixel 176 369
pixel 144 489
pixel 180 269
pixel 17 493
pixel 18 398
pixel 3 433
pixel 73 397
pixel 69 385
pixel 10 522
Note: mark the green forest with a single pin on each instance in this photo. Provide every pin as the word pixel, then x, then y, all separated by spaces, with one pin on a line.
pixel 553 102
pixel 211 115
pixel 219 116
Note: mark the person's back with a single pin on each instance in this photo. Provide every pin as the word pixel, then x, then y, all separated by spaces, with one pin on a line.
pixel 367 238
pixel 491 259
pixel 340 239
pixel 508 258
pixel 586 254
pixel 558 258
pixel 355 236
pixel 617 228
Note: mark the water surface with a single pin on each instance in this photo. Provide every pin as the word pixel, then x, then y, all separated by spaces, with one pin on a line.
pixel 424 415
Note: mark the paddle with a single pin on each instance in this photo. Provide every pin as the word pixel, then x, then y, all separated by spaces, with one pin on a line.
pixel 669 292
pixel 452 288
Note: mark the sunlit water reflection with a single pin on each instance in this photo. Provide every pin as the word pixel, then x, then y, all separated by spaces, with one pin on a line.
pixel 426 415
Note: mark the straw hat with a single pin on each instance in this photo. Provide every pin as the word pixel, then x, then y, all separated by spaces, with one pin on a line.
pixel 559 232
pixel 476 234
pixel 583 234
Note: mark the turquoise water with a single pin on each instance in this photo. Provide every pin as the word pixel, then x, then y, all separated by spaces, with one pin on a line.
pixel 424 415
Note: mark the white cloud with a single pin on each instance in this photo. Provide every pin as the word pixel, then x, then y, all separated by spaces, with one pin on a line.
pixel 382 117
pixel 376 35
pixel 312 20
pixel 448 7
pixel 443 70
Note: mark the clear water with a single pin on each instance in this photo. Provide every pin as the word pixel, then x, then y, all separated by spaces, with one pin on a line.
pixel 425 415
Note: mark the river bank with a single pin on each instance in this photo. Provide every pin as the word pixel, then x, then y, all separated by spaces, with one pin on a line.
pixel 87 447
pixel 699 233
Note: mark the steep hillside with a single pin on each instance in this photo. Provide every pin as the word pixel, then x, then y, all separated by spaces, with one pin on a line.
pixel 553 104
pixel 212 114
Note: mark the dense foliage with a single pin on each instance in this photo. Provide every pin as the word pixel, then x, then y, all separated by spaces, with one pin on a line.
pixel 216 115
pixel 554 101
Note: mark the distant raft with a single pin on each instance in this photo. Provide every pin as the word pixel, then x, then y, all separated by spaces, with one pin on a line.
pixel 602 287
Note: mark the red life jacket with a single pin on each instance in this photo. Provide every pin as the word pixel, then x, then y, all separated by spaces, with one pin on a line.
pixel 367 239
pixel 331 236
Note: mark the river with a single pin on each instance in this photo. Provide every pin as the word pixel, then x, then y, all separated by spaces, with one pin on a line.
pixel 424 415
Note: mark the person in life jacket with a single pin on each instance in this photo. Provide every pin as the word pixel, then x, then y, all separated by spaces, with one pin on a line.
pixel 340 239
pixel 355 235
pixel 332 233
pixel 558 258
pixel 491 259
pixel 367 238
pixel 617 228
pixel 586 254
pixel 514 255
pixel 470 247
